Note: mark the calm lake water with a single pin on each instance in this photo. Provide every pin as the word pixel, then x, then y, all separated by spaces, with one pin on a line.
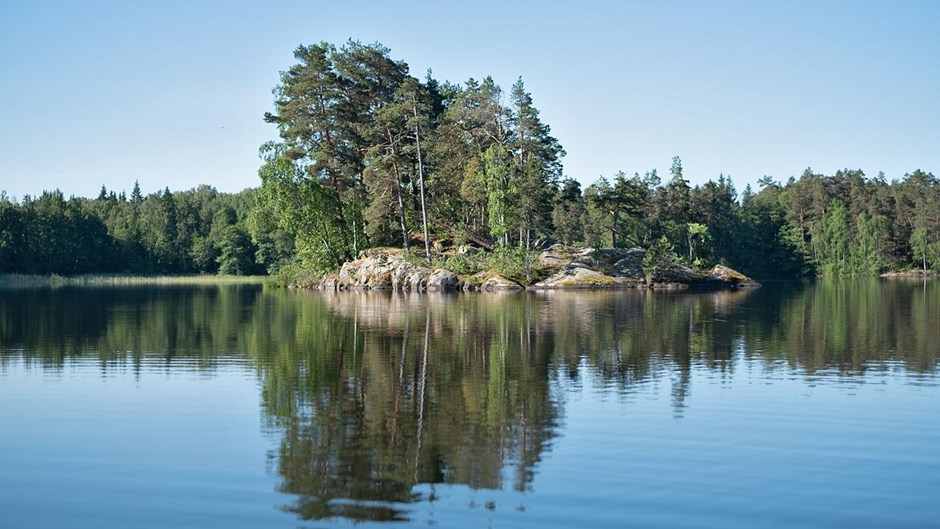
pixel 812 405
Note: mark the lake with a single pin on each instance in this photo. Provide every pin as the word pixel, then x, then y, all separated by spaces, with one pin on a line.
pixel 793 405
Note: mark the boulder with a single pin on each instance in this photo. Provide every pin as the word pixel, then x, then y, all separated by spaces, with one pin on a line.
pixel 916 273
pixel 467 249
pixel 493 282
pixel 731 277
pixel 680 274
pixel 579 275
pixel 387 270
pixel 631 264
pixel 545 243
pixel 329 282
pixel 442 280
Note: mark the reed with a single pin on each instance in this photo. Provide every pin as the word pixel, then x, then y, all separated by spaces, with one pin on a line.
pixel 53 281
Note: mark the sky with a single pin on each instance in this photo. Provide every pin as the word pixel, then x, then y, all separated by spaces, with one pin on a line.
pixel 172 93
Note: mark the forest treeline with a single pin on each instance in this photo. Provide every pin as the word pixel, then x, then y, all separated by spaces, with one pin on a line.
pixel 189 232
pixel 370 155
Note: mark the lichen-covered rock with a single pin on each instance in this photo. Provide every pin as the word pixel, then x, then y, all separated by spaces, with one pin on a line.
pixel 329 282
pixel 494 282
pixel 557 255
pixel 681 274
pixel 442 280
pixel 590 268
pixel 732 277
pixel 579 275
pixel 631 263
pixel 413 279
pixel 916 273
pixel 570 268
pixel 387 270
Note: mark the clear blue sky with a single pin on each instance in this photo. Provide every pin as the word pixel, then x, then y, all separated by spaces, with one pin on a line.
pixel 172 93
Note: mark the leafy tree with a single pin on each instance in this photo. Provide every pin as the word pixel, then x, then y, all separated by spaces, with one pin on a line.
pixel 235 252
pixel 698 236
pixel 537 165
pixel 659 259
pixel 866 253
pixel 501 191
pixel 833 243
pixel 568 212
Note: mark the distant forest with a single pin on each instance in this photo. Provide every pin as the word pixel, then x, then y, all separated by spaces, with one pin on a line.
pixel 372 156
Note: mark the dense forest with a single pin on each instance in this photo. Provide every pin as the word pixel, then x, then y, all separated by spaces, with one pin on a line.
pixel 191 232
pixel 371 156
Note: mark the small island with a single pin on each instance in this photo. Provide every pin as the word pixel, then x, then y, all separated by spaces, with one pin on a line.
pixel 558 267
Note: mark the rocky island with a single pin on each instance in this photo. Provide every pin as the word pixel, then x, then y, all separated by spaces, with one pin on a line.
pixel 557 267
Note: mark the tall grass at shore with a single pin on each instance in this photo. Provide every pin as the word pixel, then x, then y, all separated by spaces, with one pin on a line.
pixel 8 281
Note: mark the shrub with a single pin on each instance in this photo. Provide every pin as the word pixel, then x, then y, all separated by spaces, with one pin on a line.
pixel 660 258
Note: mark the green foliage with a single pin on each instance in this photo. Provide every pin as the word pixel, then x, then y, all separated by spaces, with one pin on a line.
pixel 926 249
pixel 568 213
pixel 865 252
pixel 501 190
pixel 514 263
pixel 306 209
pixel 382 153
pixel 698 237
pixel 234 256
pixel 461 264
pixel 619 209
pixel 170 233
pixel 659 259
pixel 832 244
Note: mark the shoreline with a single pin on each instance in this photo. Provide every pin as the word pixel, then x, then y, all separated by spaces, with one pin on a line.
pixel 556 268
pixel 16 281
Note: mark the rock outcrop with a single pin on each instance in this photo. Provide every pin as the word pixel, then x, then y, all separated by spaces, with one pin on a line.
pixel 567 268
pixel 489 281
pixel 385 269
pixel 733 278
pixel 588 268
pixel 916 273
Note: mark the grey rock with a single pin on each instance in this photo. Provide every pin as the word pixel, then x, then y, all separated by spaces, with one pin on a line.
pixel 442 280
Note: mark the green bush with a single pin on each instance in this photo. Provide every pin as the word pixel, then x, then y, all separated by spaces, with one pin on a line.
pixel 660 258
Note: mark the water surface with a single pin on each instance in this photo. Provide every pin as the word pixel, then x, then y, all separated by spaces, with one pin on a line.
pixel 233 406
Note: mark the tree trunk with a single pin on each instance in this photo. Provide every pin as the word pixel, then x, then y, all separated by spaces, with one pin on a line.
pixel 401 199
pixel 401 211
pixel 424 209
pixel 334 180
pixel 613 228
pixel 925 253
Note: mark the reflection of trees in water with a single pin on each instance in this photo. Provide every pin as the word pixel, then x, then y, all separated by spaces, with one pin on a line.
pixel 117 326
pixel 630 338
pixel 430 391
pixel 373 394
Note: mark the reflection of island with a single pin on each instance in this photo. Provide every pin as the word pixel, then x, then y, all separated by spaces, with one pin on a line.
pixel 374 395
pixel 421 393
pixel 457 389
